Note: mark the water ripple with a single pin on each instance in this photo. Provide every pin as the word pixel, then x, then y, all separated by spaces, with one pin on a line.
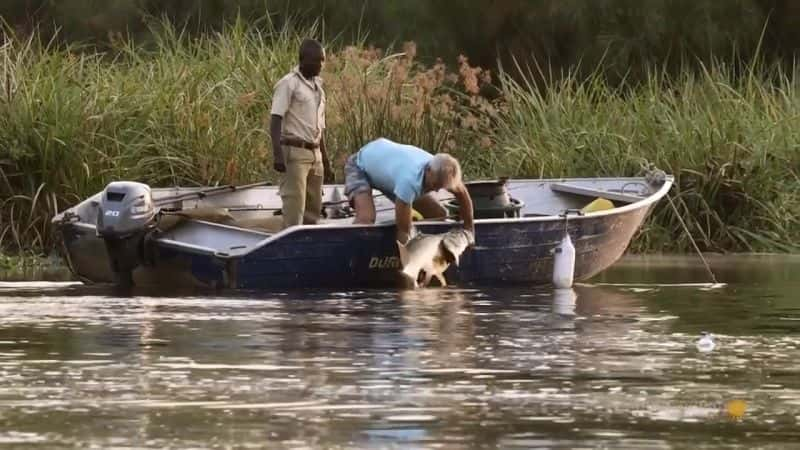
pixel 611 366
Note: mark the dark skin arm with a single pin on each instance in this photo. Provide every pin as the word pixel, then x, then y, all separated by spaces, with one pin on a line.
pixel 326 163
pixel 402 217
pixel 277 151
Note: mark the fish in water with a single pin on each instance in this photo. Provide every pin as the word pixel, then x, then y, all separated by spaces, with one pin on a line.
pixel 432 254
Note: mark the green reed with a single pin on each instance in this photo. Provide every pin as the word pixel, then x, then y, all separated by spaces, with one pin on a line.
pixel 194 111
pixel 731 140
pixel 185 111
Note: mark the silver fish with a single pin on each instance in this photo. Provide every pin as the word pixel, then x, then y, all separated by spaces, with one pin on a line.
pixel 432 254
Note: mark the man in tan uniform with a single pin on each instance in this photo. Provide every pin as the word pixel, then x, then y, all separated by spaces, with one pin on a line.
pixel 298 145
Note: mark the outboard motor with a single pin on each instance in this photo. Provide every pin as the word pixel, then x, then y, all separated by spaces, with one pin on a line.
pixel 126 215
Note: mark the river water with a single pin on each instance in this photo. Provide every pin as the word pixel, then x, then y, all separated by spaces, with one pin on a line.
pixel 612 364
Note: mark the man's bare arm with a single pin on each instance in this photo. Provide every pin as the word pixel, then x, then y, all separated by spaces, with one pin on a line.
pixel 464 206
pixel 402 216
pixel 275 124
pixel 326 163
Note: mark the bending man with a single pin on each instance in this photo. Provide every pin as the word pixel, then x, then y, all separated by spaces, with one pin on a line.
pixel 406 175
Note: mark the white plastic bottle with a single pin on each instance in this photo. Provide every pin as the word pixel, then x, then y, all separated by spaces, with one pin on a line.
pixel 564 263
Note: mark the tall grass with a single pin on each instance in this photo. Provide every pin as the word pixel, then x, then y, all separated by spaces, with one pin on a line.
pixel 187 111
pixel 73 121
pixel 194 111
pixel 731 140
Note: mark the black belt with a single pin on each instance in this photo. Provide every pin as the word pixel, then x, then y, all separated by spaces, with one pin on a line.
pixel 294 142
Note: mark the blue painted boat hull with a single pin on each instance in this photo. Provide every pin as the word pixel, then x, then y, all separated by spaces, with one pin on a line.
pixel 504 253
pixel 507 251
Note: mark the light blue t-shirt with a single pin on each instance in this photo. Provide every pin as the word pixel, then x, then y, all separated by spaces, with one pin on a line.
pixel 395 169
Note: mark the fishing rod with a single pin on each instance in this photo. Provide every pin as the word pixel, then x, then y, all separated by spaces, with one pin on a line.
pixel 209 192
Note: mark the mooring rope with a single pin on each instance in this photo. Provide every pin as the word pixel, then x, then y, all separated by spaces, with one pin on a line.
pixel 657 177
pixel 696 248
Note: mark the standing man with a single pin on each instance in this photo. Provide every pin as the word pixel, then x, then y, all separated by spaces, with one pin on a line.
pixel 297 130
pixel 406 175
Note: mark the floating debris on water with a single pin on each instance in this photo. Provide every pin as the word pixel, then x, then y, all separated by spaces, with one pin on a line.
pixel 706 342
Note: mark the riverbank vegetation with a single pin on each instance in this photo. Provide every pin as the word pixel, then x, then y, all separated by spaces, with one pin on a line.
pixel 27 262
pixel 192 110
pixel 622 37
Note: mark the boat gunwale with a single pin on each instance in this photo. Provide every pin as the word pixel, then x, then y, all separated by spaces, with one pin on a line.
pixel 644 202
pixel 270 238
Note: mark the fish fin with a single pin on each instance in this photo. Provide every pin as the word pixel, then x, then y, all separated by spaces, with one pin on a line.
pixel 442 281
pixel 455 243
pixel 448 255
pixel 427 280
pixel 401 249
pixel 408 282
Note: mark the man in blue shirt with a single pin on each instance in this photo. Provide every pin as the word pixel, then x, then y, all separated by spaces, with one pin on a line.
pixel 406 175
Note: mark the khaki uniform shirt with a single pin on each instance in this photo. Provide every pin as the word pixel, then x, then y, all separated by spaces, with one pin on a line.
pixel 301 104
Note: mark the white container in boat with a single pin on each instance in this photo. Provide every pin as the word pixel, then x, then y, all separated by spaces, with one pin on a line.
pixel 564 263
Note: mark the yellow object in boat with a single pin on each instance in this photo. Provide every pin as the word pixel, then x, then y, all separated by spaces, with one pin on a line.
pixel 598 204
pixel 415 215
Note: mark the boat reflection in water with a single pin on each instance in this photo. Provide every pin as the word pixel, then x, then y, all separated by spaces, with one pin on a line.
pixel 564 301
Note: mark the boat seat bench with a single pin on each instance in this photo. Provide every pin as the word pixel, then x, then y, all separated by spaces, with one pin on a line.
pixel 591 192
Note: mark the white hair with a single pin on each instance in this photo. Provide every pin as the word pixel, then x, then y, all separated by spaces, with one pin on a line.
pixel 447 170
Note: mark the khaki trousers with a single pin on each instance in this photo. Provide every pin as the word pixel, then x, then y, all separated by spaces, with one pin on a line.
pixel 301 187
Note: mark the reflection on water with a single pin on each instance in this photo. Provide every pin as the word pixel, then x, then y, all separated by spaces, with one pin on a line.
pixel 597 366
